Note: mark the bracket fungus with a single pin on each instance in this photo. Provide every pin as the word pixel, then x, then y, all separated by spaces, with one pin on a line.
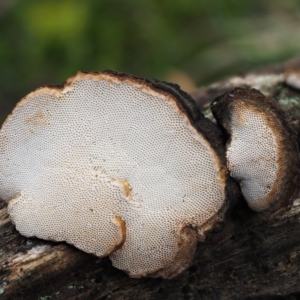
pixel 262 153
pixel 115 165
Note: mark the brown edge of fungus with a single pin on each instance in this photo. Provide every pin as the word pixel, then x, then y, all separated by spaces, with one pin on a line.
pixel 288 175
pixel 120 223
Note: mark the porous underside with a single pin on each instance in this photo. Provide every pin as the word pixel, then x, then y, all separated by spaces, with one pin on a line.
pixel 262 152
pixel 252 154
pixel 109 163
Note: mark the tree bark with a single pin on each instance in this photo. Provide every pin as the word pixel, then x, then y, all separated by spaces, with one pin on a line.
pixel 249 258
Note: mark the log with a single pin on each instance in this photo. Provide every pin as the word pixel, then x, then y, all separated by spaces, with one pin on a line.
pixel 250 258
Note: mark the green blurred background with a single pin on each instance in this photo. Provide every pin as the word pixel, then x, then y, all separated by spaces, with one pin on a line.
pixel 190 41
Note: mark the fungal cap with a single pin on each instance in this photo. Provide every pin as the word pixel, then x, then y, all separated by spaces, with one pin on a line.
pixel 262 149
pixel 115 165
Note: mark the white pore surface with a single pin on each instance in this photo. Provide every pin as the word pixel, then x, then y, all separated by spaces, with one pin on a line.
pixel 64 158
pixel 252 155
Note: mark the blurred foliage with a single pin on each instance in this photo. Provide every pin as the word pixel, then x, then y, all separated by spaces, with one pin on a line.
pixel 46 41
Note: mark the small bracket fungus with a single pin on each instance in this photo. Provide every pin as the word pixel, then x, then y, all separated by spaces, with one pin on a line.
pixel 262 152
pixel 115 165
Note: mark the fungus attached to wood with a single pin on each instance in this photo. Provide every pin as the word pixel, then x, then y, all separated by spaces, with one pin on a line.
pixel 262 152
pixel 115 165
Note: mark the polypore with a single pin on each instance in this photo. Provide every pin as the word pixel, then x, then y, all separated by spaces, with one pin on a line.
pixel 115 165
pixel 262 152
